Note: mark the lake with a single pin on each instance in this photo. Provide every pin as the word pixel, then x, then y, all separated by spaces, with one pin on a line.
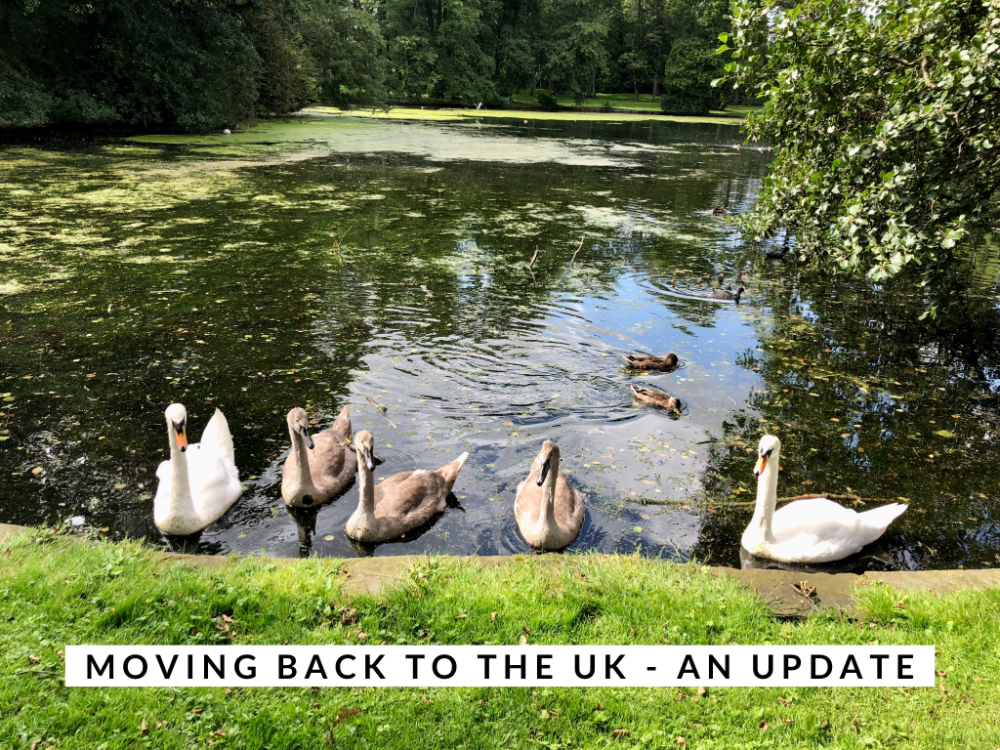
pixel 387 265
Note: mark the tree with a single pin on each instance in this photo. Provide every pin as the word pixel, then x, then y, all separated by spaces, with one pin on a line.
pixel 886 124
pixel 687 78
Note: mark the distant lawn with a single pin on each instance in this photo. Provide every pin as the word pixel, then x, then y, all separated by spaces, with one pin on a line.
pixel 54 591
pixel 458 114
pixel 626 101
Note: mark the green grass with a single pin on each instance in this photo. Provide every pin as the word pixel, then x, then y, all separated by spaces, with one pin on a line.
pixel 625 101
pixel 55 591
pixel 446 114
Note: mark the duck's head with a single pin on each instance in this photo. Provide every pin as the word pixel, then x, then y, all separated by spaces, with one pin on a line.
pixel 298 422
pixel 740 291
pixel 547 456
pixel 177 416
pixel 670 360
pixel 364 445
pixel 768 448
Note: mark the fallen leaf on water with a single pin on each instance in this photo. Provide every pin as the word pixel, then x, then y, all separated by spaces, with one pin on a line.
pixel 328 538
pixel 945 434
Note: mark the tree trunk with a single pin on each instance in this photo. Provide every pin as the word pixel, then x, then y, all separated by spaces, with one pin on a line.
pixel 656 86
pixel 635 86
pixel 593 83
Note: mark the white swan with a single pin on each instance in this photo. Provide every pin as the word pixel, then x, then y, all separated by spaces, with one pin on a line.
pixel 807 531
pixel 200 481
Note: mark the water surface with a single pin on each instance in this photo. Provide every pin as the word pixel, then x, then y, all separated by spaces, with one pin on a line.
pixel 386 266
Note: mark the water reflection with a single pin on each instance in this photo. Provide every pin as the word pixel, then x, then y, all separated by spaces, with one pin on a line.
pixel 256 277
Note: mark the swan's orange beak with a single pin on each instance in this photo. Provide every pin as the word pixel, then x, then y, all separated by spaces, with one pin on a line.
pixel 761 463
pixel 181 435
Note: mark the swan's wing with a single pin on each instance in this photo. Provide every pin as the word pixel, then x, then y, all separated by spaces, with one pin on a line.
pixel 816 529
pixel 214 486
pixel 216 439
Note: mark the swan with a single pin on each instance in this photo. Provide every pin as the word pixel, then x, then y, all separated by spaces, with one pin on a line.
pixel 200 481
pixel 807 531
pixel 400 503
pixel 548 510
pixel 319 467
pixel 651 362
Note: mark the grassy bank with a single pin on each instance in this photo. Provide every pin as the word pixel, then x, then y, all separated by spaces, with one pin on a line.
pixel 55 591
pixel 416 113
pixel 624 101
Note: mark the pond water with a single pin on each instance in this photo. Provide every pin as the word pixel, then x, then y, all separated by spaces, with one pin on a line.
pixel 335 260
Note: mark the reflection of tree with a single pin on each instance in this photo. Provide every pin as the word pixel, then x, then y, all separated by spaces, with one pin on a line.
pixel 869 400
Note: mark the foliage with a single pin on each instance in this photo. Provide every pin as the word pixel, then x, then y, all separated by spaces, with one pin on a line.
pixel 547 101
pixel 687 82
pixel 54 591
pixel 198 65
pixel 886 123
pixel 181 62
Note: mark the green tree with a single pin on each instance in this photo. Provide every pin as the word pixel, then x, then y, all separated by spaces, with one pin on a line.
pixel 886 124
pixel 687 78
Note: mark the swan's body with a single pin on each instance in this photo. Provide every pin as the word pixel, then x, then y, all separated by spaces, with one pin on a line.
pixel 548 510
pixel 807 531
pixel 651 362
pixel 199 482
pixel 728 293
pixel 400 503
pixel 657 398
pixel 319 467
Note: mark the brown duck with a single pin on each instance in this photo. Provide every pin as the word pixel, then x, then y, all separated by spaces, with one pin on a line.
pixel 729 293
pixel 657 398
pixel 548 510
pixel 319 467
pixel 651 362
pixel 400 503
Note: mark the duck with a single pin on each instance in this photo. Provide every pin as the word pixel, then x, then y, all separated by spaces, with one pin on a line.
pixel 729 293
pixel 548 510
pixel 200 481
pixel 721 278
pixel 816 530
pixel 657 398
pixel 720 210
pixel 651 362
pixel 777 253
pixel 319 467
pixel 399 503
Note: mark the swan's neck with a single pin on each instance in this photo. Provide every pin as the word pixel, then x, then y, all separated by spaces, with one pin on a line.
pixel 366 504
pixel 300 476
pixel 767 495
pixel 181 504
pixel 547 515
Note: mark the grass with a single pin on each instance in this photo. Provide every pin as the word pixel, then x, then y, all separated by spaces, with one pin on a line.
pixel 55 591
pixel 626 101
pixel 446 114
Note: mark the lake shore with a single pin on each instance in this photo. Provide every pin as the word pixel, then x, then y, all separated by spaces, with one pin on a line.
pixel 585 114
pixel 58 592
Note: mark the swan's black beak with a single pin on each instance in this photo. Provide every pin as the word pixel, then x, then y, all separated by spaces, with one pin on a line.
pixel 308 438
pixel 761 463
pixel 180 432
pixel 543 473
pixel 369 459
